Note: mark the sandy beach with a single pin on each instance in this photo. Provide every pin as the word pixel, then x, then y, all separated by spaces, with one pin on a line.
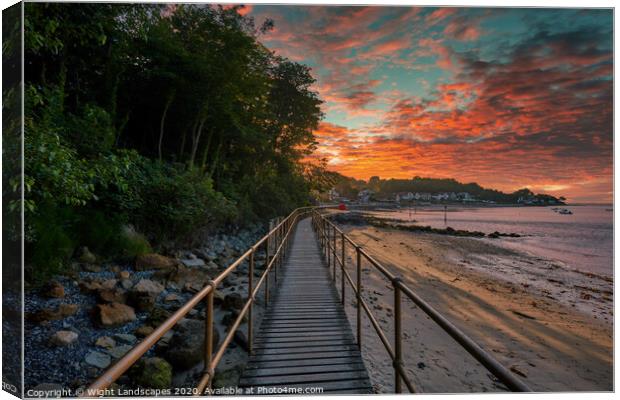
pixel 551 326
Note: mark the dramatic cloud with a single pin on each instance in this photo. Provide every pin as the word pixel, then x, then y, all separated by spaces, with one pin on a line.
pixel 505 97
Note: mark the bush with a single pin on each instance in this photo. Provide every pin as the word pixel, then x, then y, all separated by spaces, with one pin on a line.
pixel 176 202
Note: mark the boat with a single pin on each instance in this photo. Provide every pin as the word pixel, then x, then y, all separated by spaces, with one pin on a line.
pixel 564 211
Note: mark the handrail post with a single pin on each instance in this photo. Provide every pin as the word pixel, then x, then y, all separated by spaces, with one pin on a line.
pixel 342 264
pixel 251 299
pixel 267 280
pixel 359 297
pixel 329 254
pixel 208 356
pixel 398 357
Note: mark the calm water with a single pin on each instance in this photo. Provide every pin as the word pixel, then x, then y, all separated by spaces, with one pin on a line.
pixel 582 241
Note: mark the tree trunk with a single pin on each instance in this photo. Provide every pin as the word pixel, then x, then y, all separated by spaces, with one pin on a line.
pixel 203 165
pixel 161 124
pixel 216 158
pixel 195 141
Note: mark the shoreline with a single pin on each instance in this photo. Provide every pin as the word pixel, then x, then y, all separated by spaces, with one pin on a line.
pixel 552 343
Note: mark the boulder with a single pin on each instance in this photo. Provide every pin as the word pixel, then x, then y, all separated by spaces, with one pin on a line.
pixel 106 342
pixel 186 348
pixel 154 373
pixel 124 275
pixel 158 315
pixel 63 338
pixel 196 277
pixel 229 319
pixel 144 293
pixel 227 379
pixel 114 314
pixel 233 301
pixel 86 257
pixel 55 290
pixel 144 331
pixel 154 261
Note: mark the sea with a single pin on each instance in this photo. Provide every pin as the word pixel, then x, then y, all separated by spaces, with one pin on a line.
pixel 582 240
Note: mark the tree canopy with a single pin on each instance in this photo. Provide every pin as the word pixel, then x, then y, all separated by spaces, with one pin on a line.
pixel 167 117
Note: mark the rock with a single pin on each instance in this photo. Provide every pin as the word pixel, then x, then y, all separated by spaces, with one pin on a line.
pixel 494 235
pixel 63 338
pixel 154 373
pixel 192 287
pixel 218 298
pixel 109 284
pixel 144 293
pixel 91 267
pixel 90 286
pixel 97 359
pixel 164 343
pixel 112 295
pixel 233 301
pixel 227 379
pixel 114 314
pixel 126 284
pixel 66 310
pixel 158 315
pixel 144 331
pixel 186 348
pixel 230 318
pixel 106 342
pixel 193 262
pixel 182 276
pixel 55 290
pixel 518 371
pixel 120 351
pixel 47 314
pixel 125 338
pixel 242 340
pixel 154 261
pixel 86 256
pixel 171 297
pixel 124 275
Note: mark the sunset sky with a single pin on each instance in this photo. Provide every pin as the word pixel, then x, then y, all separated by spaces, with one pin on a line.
pixel 508 98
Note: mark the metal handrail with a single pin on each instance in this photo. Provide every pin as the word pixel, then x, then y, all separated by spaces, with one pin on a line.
pixel 327 232
pixel 280 235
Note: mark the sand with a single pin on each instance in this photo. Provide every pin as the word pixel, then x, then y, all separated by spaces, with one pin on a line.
pixel 551 326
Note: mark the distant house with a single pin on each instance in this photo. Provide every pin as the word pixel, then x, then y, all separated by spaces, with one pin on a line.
pixel 404 196
pixel 422 196
pixel 333 194
pixel 364 195
pixel 465 196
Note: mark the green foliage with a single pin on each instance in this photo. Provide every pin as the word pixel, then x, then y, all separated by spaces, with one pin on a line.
pixel 170 122
pixel 176 202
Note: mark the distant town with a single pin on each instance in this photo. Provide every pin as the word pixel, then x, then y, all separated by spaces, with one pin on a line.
pixel 430 191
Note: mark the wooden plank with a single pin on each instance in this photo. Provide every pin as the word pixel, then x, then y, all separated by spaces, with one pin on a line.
pixel 305 369
pixel 305 378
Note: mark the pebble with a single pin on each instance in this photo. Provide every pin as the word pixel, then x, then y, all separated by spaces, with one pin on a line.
pixel 63 338
pixel 125 338
pixel 118 352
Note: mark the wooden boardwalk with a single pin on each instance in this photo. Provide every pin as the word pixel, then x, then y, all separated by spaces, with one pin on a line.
pixel 305 340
